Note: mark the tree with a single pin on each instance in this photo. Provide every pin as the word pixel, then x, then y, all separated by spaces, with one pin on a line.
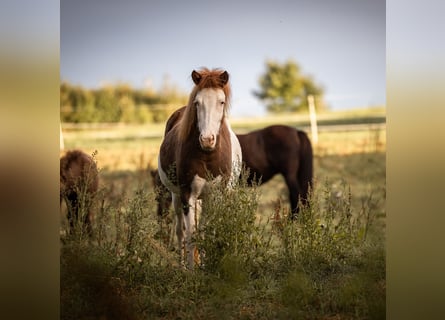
pixel 77 104
pixel 284 89
pixel 119 103
pixel 107 104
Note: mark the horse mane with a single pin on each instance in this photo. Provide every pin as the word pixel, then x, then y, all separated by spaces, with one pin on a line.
pixel 209 79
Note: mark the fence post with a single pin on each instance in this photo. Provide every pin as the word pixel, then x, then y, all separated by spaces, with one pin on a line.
pixel 313 117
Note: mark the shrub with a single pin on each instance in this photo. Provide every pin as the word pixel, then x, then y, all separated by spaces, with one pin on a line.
pixel 327 232
pixel 326 264
pixel 229 236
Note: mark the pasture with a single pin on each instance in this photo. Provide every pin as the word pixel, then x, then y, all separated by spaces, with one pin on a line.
pixel 330 264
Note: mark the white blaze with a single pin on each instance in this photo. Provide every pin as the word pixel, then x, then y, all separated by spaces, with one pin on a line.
pixel 210 110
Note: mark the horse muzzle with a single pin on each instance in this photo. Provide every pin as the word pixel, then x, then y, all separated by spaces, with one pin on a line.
pixel 207 142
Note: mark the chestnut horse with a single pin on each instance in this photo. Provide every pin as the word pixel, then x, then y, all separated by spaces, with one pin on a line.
pixel 198 146
pixel 276 149
pixel 79 181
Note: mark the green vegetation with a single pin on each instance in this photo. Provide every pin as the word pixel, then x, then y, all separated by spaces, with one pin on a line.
pixel 329 264
pixel 284 89
pixel 119 103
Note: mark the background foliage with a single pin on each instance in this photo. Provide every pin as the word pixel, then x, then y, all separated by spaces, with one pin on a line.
pixel 283 88
pixel 119 103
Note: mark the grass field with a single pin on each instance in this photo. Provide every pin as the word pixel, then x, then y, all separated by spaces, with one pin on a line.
pixel 131 147
pixel 330 264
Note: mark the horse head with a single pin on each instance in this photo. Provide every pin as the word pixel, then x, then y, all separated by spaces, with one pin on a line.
pixel 210 104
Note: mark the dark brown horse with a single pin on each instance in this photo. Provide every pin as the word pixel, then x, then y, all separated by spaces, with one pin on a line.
pixel 198 145
pixel 266 152
pixel 281 150
pixel 79 181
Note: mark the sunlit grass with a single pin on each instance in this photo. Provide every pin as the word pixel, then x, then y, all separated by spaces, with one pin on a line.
pixel 121 147
pixel 257 265
pixel 330 264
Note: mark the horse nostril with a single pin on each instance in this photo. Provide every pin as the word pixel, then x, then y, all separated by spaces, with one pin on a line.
pixel 207 140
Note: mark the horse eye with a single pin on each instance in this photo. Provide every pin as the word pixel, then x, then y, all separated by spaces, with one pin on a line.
pixel 222 103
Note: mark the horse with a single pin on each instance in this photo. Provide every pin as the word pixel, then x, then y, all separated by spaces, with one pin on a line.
pixel 79 181
pixel 163 196
pixel 199 147
pixel 280 149
pixel 276 149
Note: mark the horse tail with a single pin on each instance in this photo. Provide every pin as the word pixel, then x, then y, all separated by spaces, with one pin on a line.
pixel 305 169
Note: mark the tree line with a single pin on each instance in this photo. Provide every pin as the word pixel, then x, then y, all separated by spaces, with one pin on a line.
pixel 283 88
pixel 118 103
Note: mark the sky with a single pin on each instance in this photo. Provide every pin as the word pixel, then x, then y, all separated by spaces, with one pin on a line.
pixel 339 43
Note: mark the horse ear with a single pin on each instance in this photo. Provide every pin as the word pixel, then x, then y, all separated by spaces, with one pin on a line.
pixel 196 77
pixel 224 77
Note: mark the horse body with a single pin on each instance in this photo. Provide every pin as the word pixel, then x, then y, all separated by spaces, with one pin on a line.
pixel 79 181
pixel 280 149
pixel 276 149
pixel 198 145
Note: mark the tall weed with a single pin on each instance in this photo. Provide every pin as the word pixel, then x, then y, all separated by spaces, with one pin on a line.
pixel 232 241
pixel 327 232
pixel 324 264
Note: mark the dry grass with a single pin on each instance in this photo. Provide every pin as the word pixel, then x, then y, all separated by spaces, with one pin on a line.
pixel 278 270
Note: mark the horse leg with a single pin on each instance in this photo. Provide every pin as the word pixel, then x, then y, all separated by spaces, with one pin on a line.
pixel 294 194
pixel 70 218
pixel 194 212
pixel 305 169
pixel 199 219
pixel 176 208
pixel 88 222
pixel 72 209
pixel 305 183
pixel 190 224
pixel 164 201
pixel 304 193
pixel 179 224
